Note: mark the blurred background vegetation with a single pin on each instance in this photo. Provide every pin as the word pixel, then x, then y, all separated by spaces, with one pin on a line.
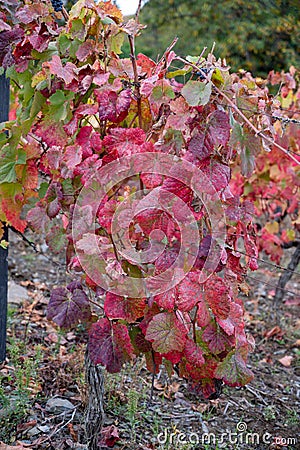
pixel 255 35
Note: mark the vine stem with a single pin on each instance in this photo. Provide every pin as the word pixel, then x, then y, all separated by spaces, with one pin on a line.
pixel 239 112
pixel 136 79
pixel 138 11
pixel 65 14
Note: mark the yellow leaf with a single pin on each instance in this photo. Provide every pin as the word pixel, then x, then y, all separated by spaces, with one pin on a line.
pixel 37 78
pixel 272 227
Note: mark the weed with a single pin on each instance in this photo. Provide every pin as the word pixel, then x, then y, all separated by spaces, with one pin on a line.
pixel 269 412
pixel 132 411
pixel 292 417
pixel 17 386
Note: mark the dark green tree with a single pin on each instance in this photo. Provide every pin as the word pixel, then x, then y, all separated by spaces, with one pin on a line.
pixel 256 35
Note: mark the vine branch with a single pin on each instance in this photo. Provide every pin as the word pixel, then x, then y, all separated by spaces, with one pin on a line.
pixel 136 79
pixel 239 112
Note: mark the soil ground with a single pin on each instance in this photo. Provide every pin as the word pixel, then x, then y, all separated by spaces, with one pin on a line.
pixel 45 364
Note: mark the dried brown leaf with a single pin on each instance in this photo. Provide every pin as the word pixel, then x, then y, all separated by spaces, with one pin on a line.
pixel 286 361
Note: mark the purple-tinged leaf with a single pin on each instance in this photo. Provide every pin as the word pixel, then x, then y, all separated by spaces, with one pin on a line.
pixel 68 306
pixel 109 345
pixel 216 339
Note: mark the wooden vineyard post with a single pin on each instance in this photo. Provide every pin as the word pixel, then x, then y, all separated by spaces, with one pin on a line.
pixel 4 110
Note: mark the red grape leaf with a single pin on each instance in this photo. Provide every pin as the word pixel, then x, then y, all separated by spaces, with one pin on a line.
pixel 151 180
pixel 217 297
pixel 173 356
pixel 38 218
pixel 153 361
pixel 214 133
pixel 155 219
pixel 216 339
pixel 189 292
pixel 32 13
pixel 193 353
pixel 40 40
pixel 233 264
pixel 206 370
pixel 150 312
pixel 178 188
pixel 12 209
pixel 147 65
pixel 166 300
pixel 167 333
pixel 219 127
pixel 203 314
pixel 239 212
pixel 112 106
pixel 66 73
pixel 166 259
pixel 139 342
pixel 101 78
pixel 88 168
pixel 217 173
pixel 54 196
pixel 233 370
pixel 7 38
pixel 85 49
pixel 234 319
pixel 52 133
pixel 72 156
pixel 201 145
pixel 203 251
pixel 251 250
pixel 181 113
pixel 81 111
pixel 68 306
pixel 109 345
pixel 105 214
pixel 28 174
pixel 125 141
pixel 129 309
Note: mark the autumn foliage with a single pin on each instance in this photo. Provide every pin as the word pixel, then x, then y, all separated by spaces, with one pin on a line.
pixel 81 110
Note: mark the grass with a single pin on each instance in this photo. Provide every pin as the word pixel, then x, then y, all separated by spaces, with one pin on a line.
pixel 19 383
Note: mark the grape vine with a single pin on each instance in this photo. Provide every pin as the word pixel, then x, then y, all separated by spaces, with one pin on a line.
pixel 128 170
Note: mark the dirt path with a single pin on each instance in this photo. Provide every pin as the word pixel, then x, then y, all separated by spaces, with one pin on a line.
pixel 42 385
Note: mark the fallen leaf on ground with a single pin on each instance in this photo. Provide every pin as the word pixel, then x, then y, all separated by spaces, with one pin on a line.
pixel 110 435
pixel 201 407
pixel 157 385
pixel 268 359
pixel 26 425
pixel 286 361
pixel 293 302
pixel 275 331
pixel 296 343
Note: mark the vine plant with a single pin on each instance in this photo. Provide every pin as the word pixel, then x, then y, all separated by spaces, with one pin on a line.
pixel 81 108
